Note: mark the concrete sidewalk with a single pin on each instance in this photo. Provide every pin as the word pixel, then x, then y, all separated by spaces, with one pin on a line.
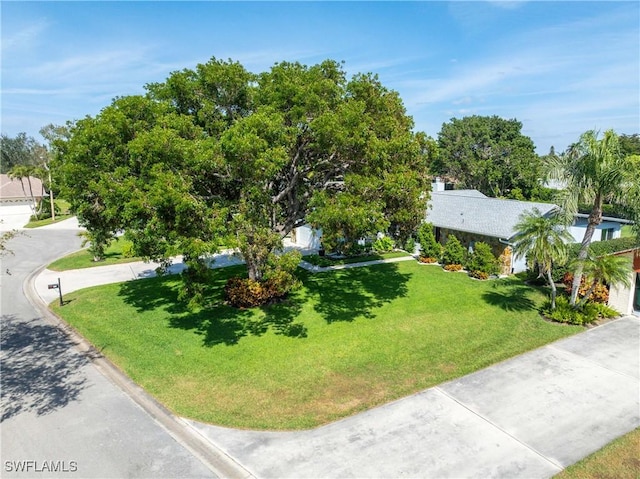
pixel 528 417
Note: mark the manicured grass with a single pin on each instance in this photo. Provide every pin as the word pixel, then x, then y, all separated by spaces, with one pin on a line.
pixel 347 341
pixel 329 261
pixel 47 221
pixel 64 214
pixel 83 259
pixel 619 459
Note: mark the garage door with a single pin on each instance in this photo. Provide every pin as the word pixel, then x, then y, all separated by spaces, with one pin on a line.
pixel 14 217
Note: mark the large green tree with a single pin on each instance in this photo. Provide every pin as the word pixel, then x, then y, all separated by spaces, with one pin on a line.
pixel 594 170
pixel 488 153
pixel 220 155
pixel 21 150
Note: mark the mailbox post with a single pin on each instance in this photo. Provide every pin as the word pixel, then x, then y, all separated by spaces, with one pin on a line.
pixel 57 286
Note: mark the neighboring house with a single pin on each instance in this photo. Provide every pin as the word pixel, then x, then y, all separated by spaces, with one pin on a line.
pixel 18 200
pixel 626 300
pixel 473 217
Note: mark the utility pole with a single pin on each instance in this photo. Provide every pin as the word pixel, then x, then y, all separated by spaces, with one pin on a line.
pixel 46 167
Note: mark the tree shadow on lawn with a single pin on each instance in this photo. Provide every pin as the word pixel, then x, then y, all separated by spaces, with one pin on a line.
pixel 510 296
pixel 346 294
pixel 216 322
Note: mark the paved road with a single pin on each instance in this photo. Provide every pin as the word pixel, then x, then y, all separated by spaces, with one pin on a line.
pixel 58 410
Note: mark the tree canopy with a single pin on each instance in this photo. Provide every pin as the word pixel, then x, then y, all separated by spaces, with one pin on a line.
pixel 219 155
pixel 490 154
pixel 22 150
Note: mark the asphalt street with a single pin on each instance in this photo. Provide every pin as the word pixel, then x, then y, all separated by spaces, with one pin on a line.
pixel 61 417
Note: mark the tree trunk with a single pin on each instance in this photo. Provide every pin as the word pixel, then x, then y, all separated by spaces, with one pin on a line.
pixel 595 218
pixel 554 291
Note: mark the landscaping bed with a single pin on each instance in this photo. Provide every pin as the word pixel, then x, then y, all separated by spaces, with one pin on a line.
pixel 347 341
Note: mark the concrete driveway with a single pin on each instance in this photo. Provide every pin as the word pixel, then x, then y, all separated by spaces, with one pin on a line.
pixel 527 417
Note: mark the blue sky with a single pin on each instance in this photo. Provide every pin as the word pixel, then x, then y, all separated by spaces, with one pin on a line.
pixel 560 68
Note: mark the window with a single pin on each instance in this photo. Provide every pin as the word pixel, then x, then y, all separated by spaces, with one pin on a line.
pixel 607 234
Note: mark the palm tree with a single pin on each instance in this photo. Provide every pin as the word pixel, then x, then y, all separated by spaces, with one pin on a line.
pixel 543 241
pixel 20 172
pixel 607 269
pixel 593 171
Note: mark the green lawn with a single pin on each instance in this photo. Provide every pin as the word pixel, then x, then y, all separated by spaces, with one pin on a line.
pixel 83 259
pixel 329 261
pixel 619 459
pixel 64 214
pixel 627 231
pixel 347 341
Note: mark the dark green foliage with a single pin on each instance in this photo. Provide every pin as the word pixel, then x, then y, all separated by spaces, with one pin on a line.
pixel 429 247
pixel 410 245
pixel 454 252
pixel 22 150
pixel 482 259
pixel 219 155
pixel 565 313
pixel 490 154
pixel 277 282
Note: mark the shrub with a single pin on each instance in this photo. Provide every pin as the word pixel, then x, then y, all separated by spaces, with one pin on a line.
pixel 483 260
pixel 429 247
pixel 479 275
pixel 383 245
pixel 278 281
pixel 453 267
pixel 599 295
pixel 454 252
pixel 565 313
pixel 410 245
pixel 427 259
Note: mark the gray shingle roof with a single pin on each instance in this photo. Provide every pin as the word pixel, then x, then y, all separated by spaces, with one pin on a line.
pixel 476 213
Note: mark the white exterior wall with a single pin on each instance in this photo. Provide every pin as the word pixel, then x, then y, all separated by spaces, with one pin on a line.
pixel 307 237
pixel 621 297
pixel 518 264
pixel 579 227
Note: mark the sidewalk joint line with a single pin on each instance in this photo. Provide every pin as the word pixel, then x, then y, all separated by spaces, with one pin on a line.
pixel 487 420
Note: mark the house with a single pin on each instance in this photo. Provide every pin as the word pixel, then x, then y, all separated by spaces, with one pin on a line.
pixel 19 200
pixel 474 217
pixel 623 299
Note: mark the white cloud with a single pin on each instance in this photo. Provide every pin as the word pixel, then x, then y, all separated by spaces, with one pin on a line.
pixel 25 37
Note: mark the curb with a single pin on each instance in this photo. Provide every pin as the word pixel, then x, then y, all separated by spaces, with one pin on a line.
pixel 216 460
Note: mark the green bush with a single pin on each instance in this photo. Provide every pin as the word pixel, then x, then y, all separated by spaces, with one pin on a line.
pixel 278 281
pixel 410 245
pixel 482 259
pixel 479 275
pixel 454 252
pixel 565 313
pixel 383 245
pixel 429 247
